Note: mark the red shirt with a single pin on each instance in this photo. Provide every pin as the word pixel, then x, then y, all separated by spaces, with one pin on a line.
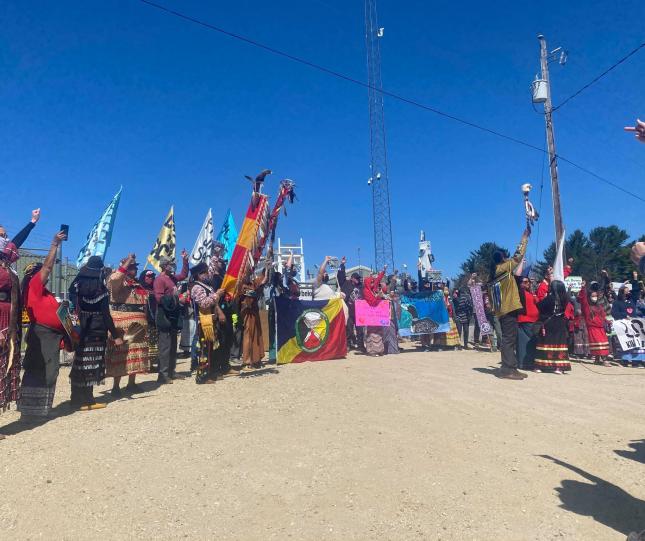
pixel 532 312
pixel 42 305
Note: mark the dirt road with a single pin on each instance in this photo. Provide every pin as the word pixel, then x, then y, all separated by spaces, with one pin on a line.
pixel 414 446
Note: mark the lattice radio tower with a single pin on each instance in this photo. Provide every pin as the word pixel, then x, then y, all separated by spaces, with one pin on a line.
pixel 378 179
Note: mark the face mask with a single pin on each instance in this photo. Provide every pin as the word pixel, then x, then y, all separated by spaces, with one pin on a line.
pixel 593 299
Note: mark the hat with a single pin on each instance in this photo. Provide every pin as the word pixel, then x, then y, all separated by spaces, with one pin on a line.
pixel 356 276
pixel 93 268
pixel 199 269
pixel 132 265
pixel 165 261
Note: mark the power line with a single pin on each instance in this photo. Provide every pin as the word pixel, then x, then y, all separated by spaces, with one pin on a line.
pixel 602 179
pixel 392 95
pixel 596 79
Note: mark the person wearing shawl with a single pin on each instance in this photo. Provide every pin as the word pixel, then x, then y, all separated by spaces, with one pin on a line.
pixel 450 338
pixel 93 307
pixel 10 325
pixel 552 349
pixel 372 294
pixel 128 304
pixel 44 336
pixel 595 318
pixel 211 320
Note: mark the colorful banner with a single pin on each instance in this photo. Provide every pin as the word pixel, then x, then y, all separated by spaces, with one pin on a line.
pixel 228 235
pixel 100 236
pixel 630 333
pixel 372 316
pixel 253 230
pixel 165 244
pixel 428 313
pixel 203 248
pixel 478 307
pixel 309 330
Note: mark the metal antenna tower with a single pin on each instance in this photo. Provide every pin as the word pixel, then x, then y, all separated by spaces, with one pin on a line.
pixel 378 179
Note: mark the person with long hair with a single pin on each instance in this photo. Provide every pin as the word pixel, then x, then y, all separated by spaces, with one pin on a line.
pixel 552 348
pixel 506 303
pixel 88 367
pixel 128 303
pixel 44 336
pixel 526 321
pixel 372 294
pixel 252 338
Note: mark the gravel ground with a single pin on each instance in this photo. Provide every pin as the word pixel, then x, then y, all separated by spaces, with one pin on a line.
pixel 414 446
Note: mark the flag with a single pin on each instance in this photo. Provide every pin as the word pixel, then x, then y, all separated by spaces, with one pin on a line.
pixel 165 244
pixel 558 264
pixel 228 235
pixel 309 330
pixel 100 236
pixel 203 248
pixel 253 230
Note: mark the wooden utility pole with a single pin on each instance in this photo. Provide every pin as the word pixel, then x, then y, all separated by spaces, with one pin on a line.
pixel 550 140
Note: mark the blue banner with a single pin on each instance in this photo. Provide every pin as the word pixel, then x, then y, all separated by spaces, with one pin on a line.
pixel 100 236
pixel 423 313
pixel 228 235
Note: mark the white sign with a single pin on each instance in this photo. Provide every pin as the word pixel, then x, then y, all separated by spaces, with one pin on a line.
pixel 574 283
pixel 306 292
pixel 630 333
pixel 617 285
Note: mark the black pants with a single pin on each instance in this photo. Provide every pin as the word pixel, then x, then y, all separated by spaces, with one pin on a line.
pixel 167 354
pixel 509 342
pixel 464 331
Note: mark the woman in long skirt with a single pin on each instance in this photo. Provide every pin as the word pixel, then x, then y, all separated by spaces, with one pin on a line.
pixel 552 350
pixel 373 294
pixel 88 368
pixel 450 338
pixel 44 338
pixel 128 302
pixel 595 319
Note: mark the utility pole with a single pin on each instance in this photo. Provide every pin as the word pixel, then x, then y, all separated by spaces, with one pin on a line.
pixel 550 140
pixel 59 269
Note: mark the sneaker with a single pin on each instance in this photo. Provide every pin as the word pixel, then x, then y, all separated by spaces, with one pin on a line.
pixel 513 374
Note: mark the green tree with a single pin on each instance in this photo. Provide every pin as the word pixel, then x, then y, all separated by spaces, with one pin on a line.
pixel 479 262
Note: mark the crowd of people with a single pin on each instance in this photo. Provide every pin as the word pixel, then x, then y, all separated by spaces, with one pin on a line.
pixel 127 322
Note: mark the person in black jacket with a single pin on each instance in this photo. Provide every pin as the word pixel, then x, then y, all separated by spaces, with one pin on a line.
pixel 22 235
pixel 351 289
pixel 93 306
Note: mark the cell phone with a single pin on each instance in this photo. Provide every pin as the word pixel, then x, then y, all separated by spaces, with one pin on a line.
pixel 65 229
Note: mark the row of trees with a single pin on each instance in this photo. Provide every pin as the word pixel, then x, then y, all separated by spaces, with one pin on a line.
pixel 604 248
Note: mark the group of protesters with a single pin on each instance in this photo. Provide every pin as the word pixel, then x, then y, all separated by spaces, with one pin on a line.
pixel 127 321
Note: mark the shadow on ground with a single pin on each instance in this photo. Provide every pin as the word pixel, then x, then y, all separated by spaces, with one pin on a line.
pixel 600 500
pixel 637 453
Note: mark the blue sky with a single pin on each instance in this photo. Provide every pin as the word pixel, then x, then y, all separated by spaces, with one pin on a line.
pixel 99 94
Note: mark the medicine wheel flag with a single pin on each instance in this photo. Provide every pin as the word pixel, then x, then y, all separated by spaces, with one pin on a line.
pixel 309 330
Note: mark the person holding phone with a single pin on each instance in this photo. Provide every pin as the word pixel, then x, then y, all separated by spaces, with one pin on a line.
pixel 42 356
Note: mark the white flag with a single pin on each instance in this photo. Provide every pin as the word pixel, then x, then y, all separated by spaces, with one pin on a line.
pixel 558 264
pixel 203 248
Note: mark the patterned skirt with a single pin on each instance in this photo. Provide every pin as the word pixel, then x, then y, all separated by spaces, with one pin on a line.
pixel 9 379
pixel 374 341
pixel 133 356
pixel 390 339
pixel 552 350
pixel 450 338
pixel 41 363
pixel 88 368
pixel 581 340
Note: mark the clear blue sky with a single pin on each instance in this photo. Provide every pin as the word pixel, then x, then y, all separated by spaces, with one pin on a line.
pixel 98 94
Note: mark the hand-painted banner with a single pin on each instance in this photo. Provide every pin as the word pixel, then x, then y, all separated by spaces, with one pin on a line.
pixel 203 248
pixel 372 316
pixel 630 333
pixel 165 243
pixel 309 330
pixel 478 308
pixel 100 236
pixel 428 313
